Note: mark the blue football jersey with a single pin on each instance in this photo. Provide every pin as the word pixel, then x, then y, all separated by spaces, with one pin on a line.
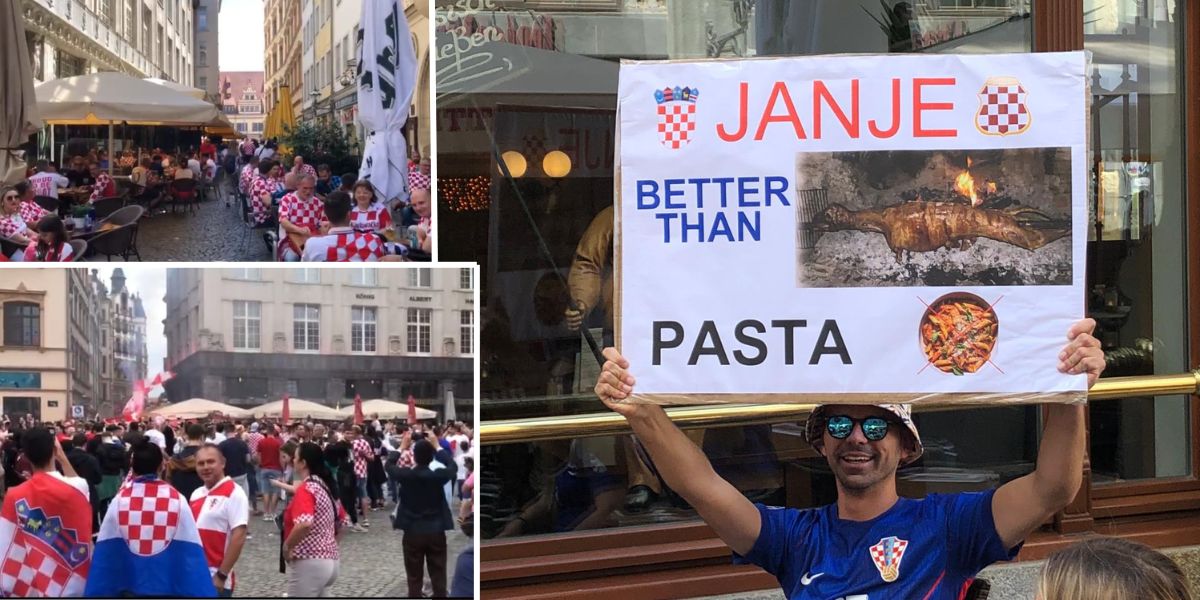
pixel 928 549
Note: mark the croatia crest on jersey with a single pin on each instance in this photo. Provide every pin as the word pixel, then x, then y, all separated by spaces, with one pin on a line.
pixel 1002 108
pixel 887 555
pixel 676 109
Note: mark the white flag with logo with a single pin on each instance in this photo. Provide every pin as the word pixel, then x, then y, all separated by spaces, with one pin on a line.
pixel 387 76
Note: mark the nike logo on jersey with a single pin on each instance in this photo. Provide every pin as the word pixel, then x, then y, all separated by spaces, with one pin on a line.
pixel 805 580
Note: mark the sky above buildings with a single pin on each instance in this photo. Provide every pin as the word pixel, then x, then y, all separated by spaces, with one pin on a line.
pixel 241 35
pixel 151 284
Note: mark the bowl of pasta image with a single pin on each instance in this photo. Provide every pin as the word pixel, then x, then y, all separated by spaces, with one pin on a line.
pixel 958 333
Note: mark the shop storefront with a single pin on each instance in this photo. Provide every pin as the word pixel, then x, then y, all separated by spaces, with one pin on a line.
pixel 567 503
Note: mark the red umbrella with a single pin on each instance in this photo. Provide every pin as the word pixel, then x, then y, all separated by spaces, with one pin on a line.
pixel 358 416
pixel 412 410
pixel 286 410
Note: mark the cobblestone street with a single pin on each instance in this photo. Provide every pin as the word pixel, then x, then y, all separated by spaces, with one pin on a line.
pixel 372 563
pixel 214 233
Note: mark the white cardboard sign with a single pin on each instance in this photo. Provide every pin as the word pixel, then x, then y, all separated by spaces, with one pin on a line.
pixel 899 228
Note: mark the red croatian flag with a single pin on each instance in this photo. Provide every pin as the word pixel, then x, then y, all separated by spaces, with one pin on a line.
pixel 412 410
pixel 358 416
pixel 287 413
pixel 45 538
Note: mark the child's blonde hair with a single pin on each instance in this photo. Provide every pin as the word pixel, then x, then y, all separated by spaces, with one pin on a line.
pixel 1106 568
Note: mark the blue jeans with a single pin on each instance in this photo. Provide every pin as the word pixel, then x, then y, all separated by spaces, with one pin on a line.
pixel 266 476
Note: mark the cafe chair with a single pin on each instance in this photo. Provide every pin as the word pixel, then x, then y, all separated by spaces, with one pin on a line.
pixel 47 203
pixel 105 207
pixel 117 242
pixel 131 216
pixel 267 228
pixel 184 192
pixel 78 250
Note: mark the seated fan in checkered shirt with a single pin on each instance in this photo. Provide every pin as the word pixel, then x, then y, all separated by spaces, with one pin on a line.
pixel 343 243
pixel 149 544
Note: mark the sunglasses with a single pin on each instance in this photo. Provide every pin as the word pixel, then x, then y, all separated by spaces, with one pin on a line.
pixel 841 426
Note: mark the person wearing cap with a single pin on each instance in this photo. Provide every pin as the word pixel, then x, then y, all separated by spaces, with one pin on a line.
pixel 872 542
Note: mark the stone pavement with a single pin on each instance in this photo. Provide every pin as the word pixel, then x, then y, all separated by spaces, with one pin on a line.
pixel 372 563
pixel 213 233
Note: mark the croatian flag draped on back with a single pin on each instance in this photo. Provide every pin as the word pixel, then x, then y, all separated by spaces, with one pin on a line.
pixel 149 545
pixel 45 545
pixel 387 76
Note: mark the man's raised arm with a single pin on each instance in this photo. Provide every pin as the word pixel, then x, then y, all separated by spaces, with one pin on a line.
pixel 682 465
pixel 1022 505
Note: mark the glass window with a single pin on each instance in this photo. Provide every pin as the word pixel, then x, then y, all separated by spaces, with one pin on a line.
pixel 22 324
pixel 419 330
pixel 306 276
pixel 421 277
pixel 364 277
pixel 466 331
pixel 1137 255
pixel 362 329
pixel 306 327
pixel 245 274
pixel 464 279
pixel 247 323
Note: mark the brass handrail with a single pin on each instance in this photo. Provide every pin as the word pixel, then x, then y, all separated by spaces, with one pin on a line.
pixel 729 415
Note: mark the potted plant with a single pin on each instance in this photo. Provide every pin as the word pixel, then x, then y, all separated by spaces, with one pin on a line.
pixel 79 215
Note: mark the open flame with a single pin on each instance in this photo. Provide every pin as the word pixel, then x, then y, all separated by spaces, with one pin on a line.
pixel 964 184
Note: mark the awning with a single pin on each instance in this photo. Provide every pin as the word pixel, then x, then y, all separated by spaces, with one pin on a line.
pixel 104 98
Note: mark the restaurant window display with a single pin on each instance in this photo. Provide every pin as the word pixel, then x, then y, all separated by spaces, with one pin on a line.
pixel 526 121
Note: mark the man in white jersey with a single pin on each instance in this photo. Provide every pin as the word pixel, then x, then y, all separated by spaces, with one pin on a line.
pixel 222 511
pixel 47 181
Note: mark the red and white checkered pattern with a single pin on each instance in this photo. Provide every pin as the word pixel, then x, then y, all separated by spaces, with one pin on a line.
pixel 356 247
pixel 30 572
pixel 259 187
pixel 362 454
pixel 306 170
pixel 11 225
pixel 246 178
pixel 675 124
pixel 374 218
pixel 148 521
pixel 302 213
pixel 312 504
pixel 104 188
pixel 418 180
pixel 32 213
pixel 887 557
pixel 1002 109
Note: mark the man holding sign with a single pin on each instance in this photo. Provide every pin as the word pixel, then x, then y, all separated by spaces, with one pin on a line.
pixel 856 547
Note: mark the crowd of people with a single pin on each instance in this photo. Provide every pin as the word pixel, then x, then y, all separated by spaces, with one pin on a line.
pixel 312 215
pixel 161 508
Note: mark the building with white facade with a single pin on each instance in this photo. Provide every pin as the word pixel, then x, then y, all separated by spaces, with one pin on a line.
pixel 144 38
pixel 248 336
pixel 208 52
pixel 243 101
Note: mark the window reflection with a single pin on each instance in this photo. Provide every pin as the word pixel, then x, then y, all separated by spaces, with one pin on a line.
pixel 1136 254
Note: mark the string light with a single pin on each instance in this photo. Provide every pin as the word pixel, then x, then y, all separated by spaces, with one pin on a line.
pixel 465 194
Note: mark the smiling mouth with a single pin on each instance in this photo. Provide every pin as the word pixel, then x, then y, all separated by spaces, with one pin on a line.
pixel 856 459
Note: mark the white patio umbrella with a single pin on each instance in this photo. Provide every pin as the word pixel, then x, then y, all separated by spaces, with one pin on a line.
pixel 111 98
pixel 299 409
pixel 387 77
pixel 386 409
pixel 19 119
pixel 197 408
pixel 179 87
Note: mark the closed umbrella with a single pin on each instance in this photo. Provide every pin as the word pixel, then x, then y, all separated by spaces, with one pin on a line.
pixel 285 120
pixel 19 119
pixel 358 410
pixel 387 78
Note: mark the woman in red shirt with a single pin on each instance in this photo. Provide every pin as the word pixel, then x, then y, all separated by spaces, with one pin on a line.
pixel 312 524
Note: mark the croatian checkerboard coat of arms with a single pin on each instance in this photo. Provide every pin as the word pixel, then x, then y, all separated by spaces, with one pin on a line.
pixel 887 555
pixel 676 112
pixel 1002 109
